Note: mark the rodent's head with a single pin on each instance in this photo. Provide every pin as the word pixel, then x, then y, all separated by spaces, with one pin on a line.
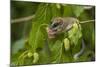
pixel 59 25
pixel 55 27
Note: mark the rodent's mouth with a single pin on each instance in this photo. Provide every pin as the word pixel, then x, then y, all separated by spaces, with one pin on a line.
pixel 51 33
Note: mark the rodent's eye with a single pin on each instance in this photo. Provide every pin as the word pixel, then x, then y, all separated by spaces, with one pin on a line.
pixel 55 25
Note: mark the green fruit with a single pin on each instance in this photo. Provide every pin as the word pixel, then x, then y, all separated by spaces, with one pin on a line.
pixel 36 57
pixel 75 34
pixel 29 54
pixel 66 44
pixel 75 25
pixel 58 6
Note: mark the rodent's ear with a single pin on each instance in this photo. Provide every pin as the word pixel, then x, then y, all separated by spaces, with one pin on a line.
pixel 56 18
pixel 52 19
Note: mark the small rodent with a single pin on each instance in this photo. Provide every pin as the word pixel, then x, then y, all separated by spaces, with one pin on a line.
pixel 59 25
pixel 63 24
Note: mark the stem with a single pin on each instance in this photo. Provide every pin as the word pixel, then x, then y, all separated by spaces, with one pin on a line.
pixel 22 54
pixel 87 21
pixel 32 16
pixel 22 19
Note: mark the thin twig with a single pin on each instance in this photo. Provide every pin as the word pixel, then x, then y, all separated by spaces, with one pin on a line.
pixel 22 19
pixel 87 21
pixel 32 16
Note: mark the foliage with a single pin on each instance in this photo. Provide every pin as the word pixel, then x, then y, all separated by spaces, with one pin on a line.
pixel 39 49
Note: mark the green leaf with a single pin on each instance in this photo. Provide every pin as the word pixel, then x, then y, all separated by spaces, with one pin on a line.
pixel 75 34
pixel 19 44
pixel 44 55
pixel 88 33
pixel 56 50
pixel 55 10
pixel 72 11
pixel 93 39
pixel 77 10
pixel 68 12
pixel 88 55
pixel 36 37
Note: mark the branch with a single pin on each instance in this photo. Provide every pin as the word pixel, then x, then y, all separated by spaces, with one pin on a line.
pixel 87 21
pixel 32 16
pixel 22 19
